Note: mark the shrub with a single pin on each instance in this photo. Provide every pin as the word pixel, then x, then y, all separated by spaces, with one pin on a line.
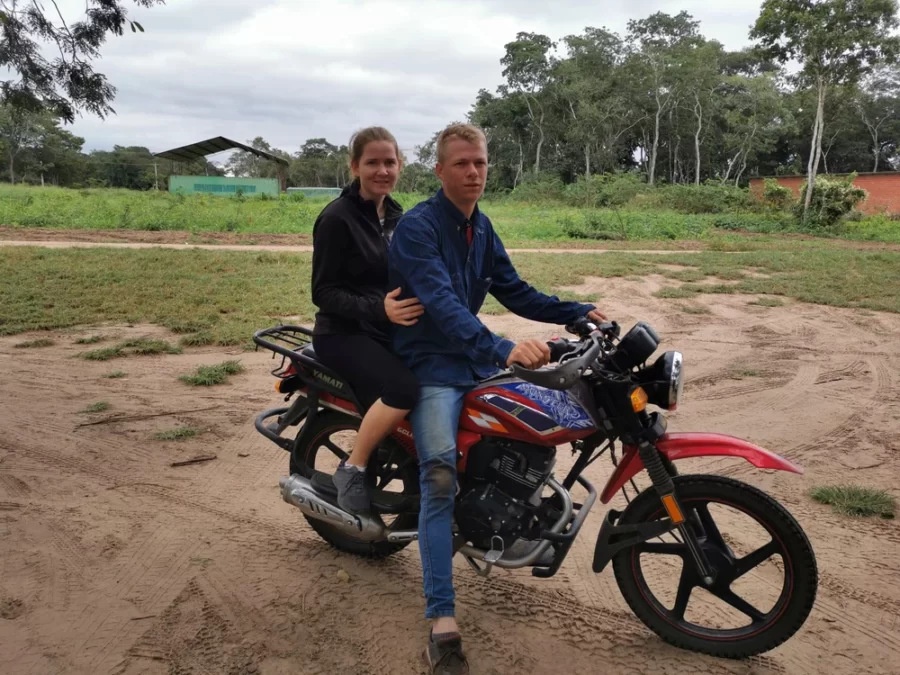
pixel 833 199
pixel 540 188
pixel 605 190
pixel 776 196
pixel 707 198
pixel 594 225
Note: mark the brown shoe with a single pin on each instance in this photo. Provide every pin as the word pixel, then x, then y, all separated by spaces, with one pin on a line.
pixel 444 656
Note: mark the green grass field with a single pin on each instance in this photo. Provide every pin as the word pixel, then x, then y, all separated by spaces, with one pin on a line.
pixel 518 223
pixel 222 297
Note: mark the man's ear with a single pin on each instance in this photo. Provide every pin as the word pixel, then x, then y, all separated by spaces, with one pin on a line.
pixel 438 171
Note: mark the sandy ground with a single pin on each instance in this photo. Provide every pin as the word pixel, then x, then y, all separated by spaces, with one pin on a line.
pixel 98 242
pixel 114 562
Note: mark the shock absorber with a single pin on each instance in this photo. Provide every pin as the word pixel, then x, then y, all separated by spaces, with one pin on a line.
pixel 662 481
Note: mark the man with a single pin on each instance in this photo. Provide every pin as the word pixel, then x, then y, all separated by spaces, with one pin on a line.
pixel 445 252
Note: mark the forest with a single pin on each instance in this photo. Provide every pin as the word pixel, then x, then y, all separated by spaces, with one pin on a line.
pixel 662 101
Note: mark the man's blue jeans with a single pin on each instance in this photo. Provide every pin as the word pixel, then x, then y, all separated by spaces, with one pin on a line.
pixel 435 421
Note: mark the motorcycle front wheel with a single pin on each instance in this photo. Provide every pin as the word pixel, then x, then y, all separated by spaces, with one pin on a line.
pixel 765 576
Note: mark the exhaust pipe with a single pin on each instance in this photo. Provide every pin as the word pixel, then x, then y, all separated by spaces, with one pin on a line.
pixel 299 492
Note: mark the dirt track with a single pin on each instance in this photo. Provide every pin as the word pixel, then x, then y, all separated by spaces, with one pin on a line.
pixel 114 562
pixel 278 248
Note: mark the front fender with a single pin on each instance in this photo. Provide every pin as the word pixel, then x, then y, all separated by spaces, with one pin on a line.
pixel 685 445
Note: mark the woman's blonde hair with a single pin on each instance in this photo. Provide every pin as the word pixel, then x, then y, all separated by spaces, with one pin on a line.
pixel 363 137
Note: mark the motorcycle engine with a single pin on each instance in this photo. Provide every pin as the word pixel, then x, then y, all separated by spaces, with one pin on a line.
pixel 504 481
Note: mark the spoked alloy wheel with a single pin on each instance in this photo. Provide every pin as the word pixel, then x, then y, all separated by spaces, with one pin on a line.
pixel 764 570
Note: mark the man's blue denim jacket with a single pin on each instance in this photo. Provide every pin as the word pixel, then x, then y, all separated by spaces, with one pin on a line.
pixel 430 259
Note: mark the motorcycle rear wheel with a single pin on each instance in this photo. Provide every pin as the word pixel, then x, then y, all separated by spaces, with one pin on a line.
pixel 386 457
pixel 788 541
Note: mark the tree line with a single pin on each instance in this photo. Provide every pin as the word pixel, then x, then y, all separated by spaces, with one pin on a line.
pixel 819 90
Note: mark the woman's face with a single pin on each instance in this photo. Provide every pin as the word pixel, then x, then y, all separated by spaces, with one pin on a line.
pixel 378 169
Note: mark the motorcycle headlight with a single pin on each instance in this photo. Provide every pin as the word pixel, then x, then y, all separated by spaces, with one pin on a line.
pixel 664 380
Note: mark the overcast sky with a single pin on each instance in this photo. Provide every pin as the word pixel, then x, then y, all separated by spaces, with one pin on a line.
pixel 289 70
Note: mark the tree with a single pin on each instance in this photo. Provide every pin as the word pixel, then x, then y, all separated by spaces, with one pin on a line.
pixel 67 82
pixel 526 67
pixel 660 41
pixel 248 165
pixel 595 102
pixel 836 42
pixel 19 131
pixel 702 78
pixel 878 106
pixel 754 118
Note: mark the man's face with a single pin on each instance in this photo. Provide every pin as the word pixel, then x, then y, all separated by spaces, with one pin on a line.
pixel 464 170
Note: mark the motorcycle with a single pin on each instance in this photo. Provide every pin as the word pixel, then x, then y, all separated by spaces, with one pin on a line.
pixel 511 511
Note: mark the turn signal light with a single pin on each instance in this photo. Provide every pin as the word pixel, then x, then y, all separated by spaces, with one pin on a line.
pixel 638 399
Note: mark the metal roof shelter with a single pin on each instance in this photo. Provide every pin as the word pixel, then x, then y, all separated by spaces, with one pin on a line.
pixel 197 151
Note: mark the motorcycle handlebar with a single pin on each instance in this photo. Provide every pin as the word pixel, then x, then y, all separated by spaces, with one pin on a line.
pixel 565 375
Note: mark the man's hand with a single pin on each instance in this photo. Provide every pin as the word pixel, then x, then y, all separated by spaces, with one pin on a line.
pixel 531 354
pixel 402 312
pixel 596 316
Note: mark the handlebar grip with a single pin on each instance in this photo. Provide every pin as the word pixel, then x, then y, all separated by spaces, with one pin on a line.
pixel 558 349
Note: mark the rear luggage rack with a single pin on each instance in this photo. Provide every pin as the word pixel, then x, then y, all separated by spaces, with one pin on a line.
pixel 288 341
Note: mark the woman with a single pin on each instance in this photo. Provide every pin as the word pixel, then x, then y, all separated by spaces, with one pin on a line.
pixel 350 288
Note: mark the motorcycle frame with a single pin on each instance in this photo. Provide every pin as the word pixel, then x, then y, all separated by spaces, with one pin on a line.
pixel 646 446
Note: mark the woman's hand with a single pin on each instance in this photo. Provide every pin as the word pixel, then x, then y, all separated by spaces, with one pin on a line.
pixel 402 312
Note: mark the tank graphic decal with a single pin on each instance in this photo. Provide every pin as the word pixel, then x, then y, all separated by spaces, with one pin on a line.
pixel 559 405
pixel 533 419
pixel 485 421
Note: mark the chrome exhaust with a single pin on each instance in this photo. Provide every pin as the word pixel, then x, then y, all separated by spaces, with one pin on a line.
pixel 299 492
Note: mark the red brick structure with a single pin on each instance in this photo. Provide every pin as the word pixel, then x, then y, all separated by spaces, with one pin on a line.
pixel 883 189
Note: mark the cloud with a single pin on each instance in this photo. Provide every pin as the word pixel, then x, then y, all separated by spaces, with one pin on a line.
pixel 289 70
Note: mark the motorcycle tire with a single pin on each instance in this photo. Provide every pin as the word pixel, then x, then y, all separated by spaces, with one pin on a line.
pixel 325 425
pixel 789 612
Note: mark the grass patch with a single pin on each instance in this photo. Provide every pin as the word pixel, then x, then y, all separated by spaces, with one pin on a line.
pixel 136 347
pixel 179 434
pixel 92 340
pixel 676 292
pixel 148 347
pixel 768 302
pixel 662 216
pixel 182 325
pixel 695 309
pixel 207 376
pixel 201 339
pixel 34 344
pixel 44 289
pixel 104 354
pixel 745 372
pixel 685 275
pixel 853 500
pixel 115 375
pixel 98 407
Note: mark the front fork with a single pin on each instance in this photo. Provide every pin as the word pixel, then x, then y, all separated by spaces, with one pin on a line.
pixel 661 472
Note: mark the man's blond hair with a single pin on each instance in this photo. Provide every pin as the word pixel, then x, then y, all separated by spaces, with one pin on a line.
pixel 467 132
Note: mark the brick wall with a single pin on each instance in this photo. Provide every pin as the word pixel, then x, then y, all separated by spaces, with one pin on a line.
pixel 883 189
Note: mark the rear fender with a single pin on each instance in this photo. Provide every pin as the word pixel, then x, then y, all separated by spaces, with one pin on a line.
pixel 686 445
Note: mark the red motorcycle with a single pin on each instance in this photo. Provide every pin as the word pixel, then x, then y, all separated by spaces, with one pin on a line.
pixel 512 512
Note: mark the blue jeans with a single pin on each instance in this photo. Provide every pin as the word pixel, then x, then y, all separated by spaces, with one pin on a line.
pixel 435 421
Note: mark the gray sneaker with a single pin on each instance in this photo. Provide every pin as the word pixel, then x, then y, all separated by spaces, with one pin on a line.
pixel 445 656
pixel 353 495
